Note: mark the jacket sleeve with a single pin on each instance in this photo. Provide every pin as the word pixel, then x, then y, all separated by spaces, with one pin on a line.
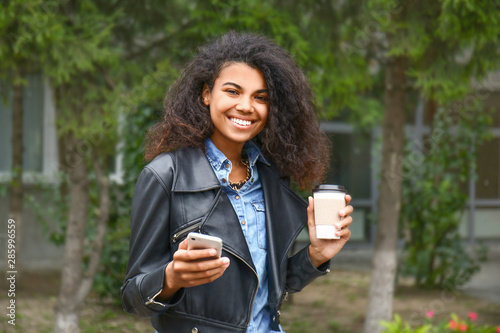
pixel 149 248
pixel 301 271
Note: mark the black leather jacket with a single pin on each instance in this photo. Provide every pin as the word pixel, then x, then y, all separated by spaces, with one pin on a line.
pixel 178 192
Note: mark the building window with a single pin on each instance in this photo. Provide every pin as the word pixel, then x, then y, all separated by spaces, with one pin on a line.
pixel 39 134
pixel 482 220
pixel 351 165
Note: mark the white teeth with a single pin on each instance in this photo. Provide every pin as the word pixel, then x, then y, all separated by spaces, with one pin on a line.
pixel 241 122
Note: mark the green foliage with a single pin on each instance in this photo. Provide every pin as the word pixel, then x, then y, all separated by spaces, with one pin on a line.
pixel 336 64
pixel 366 113
pixel 335 76
pixel 434 199
pixel 114 257
pixel 51 210
pixel 448 42
pixel 398 326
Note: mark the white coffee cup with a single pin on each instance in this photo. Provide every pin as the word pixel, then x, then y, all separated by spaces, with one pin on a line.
pixel 328 201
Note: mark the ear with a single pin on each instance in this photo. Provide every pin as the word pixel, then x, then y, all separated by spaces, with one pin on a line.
pixel 205 95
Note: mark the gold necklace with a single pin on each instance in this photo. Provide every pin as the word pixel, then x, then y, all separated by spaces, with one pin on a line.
pixel 238 185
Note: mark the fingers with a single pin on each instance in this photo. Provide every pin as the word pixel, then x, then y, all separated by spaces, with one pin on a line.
pixel 193 273
pixel 346 219
pixel 345 222
pixel 194 267
pixel 344 233
pixel 311 224
pixel 348 199
pixel 183 245
pixel 204 280
pixel 192 255
pixel 310 212
pixel 347 210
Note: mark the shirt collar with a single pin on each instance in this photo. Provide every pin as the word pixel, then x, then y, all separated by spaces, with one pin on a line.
pixel 217 158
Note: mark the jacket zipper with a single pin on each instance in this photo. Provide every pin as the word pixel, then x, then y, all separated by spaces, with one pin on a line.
pixel 284 298
pixel 176 236
pixel 253 270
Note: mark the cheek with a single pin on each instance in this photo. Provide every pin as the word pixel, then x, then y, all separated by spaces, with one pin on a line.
pixel 265 116
pixel 215 117
pixel 221 105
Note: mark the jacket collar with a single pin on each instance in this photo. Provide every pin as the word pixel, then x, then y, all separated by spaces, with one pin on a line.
pixel 195 173
pixel 218 159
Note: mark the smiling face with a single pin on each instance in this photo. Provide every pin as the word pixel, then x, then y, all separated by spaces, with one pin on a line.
pixel 238 106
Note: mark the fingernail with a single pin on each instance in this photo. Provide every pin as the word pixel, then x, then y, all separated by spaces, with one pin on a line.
pixel 338 226
pixel 225 261
pixel 213 252
pixel 342 212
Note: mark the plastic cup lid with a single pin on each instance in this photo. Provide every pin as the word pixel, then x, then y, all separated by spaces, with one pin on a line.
pixel 329 187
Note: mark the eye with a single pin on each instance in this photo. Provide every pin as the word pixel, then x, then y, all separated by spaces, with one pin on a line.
pixel 232 91
pixel 261 98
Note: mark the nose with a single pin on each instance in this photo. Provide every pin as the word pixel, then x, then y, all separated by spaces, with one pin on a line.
pixel 244 105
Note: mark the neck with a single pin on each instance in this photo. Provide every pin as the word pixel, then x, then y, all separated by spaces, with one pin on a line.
pixel 231 150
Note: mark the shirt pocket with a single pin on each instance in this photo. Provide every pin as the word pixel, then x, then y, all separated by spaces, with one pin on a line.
pixel 260 216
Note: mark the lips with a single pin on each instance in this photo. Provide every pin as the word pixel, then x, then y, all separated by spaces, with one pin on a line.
pixel 240 122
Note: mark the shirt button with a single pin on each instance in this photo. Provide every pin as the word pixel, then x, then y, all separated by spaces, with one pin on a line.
pixel 237 197
pixel 243 222
pixel 194 330
pixel 227 166
pixel 223 180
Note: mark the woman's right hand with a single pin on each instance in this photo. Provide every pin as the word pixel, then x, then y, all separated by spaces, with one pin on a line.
pixel 190 268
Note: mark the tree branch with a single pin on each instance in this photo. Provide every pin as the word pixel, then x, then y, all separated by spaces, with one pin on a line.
pixel 160 41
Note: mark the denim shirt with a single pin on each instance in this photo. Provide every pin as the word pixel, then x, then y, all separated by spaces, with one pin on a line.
pixel 248 203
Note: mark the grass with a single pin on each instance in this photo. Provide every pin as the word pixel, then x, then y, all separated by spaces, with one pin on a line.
pixel 334 303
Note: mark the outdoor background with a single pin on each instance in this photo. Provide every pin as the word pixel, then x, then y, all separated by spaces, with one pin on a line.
pixel 408 92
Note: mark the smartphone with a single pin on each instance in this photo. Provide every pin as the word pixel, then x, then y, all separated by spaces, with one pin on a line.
pixel 202 241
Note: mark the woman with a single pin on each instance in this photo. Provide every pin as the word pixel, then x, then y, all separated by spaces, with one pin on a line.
pixel 239 123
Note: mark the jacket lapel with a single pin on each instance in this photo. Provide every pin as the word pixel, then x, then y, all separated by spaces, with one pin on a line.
pixel 195 174
pixel 286 216
pixel 286 211
pixel 223 222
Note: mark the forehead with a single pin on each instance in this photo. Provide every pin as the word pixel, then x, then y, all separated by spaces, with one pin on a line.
pixel 241 74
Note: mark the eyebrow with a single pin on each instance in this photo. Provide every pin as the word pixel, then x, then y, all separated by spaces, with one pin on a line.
pixel 241 88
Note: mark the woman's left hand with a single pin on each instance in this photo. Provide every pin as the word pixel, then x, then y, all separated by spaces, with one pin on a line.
pixel 322 250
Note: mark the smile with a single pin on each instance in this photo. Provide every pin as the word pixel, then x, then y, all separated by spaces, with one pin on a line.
pixel 241 121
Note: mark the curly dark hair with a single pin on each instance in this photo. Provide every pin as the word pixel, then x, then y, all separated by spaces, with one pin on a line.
pixel 292 139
